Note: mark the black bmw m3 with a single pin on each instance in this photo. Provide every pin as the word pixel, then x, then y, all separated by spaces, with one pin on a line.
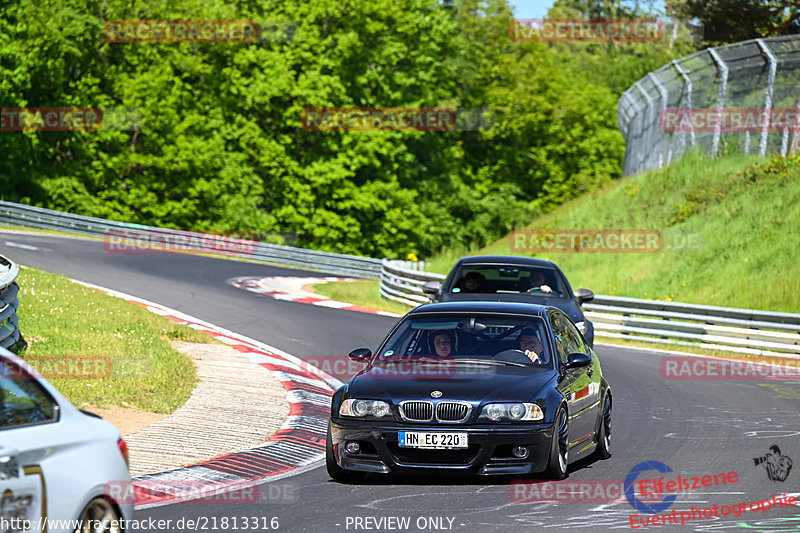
pixel 481 387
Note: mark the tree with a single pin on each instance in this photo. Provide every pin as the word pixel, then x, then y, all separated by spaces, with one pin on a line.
pixel 728 21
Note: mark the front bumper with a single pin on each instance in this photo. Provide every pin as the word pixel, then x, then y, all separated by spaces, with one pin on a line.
pixel 489 451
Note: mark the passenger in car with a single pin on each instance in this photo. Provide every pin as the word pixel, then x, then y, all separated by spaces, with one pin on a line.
pixel 443 343
pixel 473 282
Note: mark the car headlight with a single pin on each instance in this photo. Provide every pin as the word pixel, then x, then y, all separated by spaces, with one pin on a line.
pixel 363 408
pixel 581 326
pixel 512 412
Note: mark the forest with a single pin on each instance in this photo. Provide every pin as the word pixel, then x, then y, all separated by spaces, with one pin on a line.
pixel 208 134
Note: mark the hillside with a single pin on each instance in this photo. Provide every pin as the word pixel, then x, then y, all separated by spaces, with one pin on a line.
pixel 744 211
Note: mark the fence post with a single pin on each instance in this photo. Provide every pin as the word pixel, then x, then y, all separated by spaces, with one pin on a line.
pixel 632 145
pixel 796 137
pixel 647 134
pixel 773 67
pixel 687 92
pixel 664 99
pixel 723 86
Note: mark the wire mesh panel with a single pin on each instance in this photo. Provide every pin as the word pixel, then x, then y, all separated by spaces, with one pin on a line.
pixel 743 97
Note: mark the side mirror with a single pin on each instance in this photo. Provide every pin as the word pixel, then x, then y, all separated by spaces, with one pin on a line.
pixel 584 295
pixel 577 360
pixel 431 287
pixel 360 355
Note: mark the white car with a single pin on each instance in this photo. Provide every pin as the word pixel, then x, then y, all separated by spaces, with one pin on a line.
pixel 56 462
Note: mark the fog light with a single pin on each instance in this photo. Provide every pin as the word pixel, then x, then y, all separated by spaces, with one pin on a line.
pixel 352 447
pixel 520 452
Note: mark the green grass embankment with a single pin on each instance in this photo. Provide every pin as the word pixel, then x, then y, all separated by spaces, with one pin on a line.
pixel 61 318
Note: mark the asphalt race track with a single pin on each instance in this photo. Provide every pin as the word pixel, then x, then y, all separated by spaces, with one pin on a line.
pixel 697 428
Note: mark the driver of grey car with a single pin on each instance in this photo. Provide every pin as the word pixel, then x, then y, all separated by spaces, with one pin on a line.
pixel 538 281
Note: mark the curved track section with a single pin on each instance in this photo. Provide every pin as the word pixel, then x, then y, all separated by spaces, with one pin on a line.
pixel 300 442
pixel 697 428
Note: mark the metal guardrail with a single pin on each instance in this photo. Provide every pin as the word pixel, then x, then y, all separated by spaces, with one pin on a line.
pixel 138 237
pixel 402 281
pixel 760 75
pixel 746 331
pixel 10 336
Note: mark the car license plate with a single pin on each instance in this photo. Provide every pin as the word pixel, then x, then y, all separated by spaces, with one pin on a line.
pixel 430 439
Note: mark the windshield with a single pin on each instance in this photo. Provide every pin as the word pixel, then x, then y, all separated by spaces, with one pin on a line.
pixel 487 339
pixel 514 279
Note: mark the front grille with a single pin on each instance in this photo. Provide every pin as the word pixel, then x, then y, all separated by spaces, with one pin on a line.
pixel 434 457
pixel 417 411
pixel 452 411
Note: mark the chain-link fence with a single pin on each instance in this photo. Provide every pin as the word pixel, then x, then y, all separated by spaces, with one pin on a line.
pixel 741 97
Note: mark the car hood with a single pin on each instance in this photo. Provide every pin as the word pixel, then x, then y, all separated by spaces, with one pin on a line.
pixel 474 383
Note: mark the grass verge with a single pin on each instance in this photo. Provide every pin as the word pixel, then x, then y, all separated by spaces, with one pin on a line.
pixel 59 317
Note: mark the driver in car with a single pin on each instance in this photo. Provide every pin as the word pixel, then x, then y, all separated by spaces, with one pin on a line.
pixel 538 281
pixel 530 344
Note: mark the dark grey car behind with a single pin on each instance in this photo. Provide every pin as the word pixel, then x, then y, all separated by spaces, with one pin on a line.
pixel 508 279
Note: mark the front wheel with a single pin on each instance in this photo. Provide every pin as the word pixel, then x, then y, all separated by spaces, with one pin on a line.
pixel 336 472
pixel 604 435
pixel 559 447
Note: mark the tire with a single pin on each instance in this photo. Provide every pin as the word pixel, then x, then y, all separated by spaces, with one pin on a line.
pixel 100 510
pixel 604 435
pixel 559 447
pixel 336 472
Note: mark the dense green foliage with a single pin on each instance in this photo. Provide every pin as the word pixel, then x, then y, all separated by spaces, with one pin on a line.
pixel 219 144
pixel 726 21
